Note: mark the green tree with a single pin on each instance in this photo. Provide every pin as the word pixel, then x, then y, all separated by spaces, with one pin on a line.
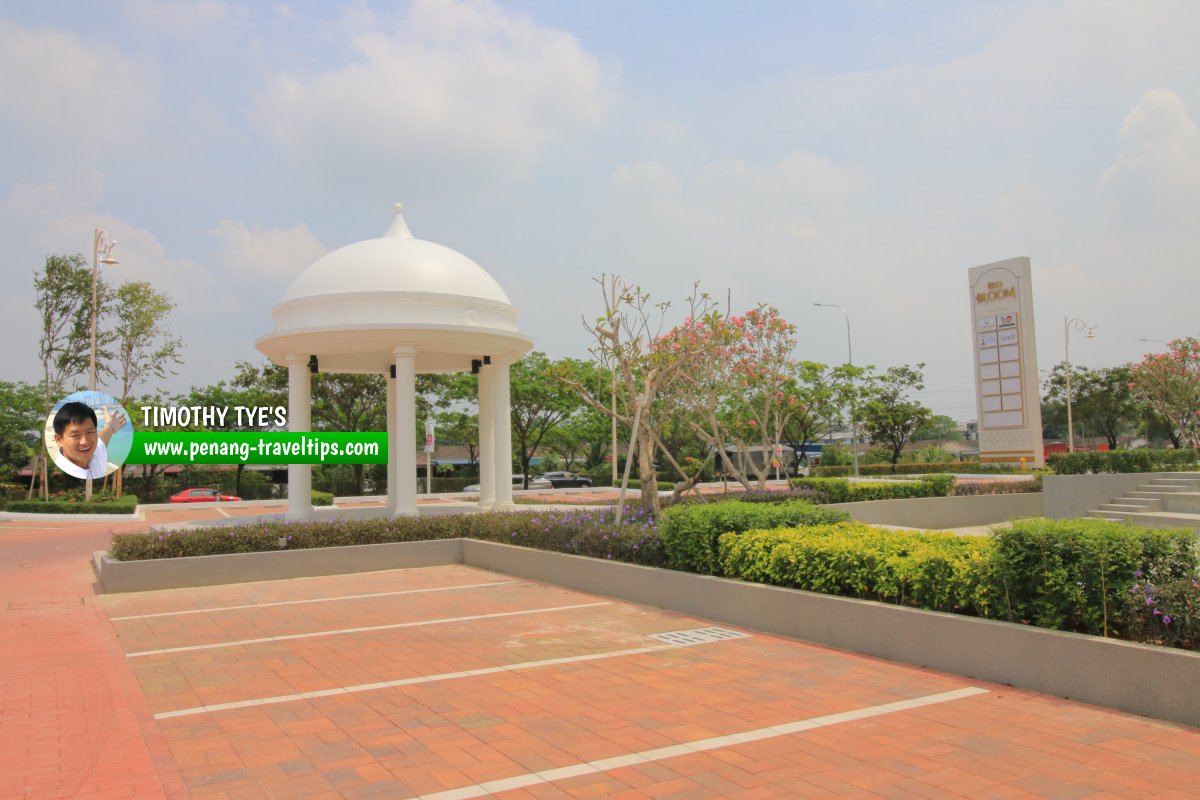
pixel 1101 399
pixel 889 416
pixel 144 346
pixel 63 299
pixel 539 403
pixel 461 428
pixel 939 428
pixel 351 403
pixel 21 421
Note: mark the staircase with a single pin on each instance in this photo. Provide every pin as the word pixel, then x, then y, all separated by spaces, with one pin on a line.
pixel 1166 500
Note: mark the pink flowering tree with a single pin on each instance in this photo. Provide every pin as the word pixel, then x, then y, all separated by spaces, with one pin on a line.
pixel 739 383
pixel 648 363
pixel 1170 384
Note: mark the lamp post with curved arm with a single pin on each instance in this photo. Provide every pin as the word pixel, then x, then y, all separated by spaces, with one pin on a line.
pixel 850 361
pixel 102 248
pixel 1077 324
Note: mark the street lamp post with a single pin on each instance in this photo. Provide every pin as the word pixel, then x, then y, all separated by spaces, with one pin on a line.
pixel 850 361
pixel 102 248
pixel 1079 325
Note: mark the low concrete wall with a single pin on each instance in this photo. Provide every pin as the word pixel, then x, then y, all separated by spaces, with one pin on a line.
pixel 1075 495
pixel 937 513
pixel 171 573
pixel 1132 677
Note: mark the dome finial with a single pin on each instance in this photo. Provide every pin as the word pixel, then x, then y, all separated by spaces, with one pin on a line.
pixel 399 228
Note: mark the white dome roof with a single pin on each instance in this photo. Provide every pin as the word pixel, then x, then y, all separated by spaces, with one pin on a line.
pixel 353 307
pixel 396 262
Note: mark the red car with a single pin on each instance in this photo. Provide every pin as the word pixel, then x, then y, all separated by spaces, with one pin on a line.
pixel 202 496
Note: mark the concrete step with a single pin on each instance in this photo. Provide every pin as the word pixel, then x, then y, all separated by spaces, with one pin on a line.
pixel 1119 505
pixel 1166 487
pixel 1166 480
pixel 1153 519
pixel 1182 503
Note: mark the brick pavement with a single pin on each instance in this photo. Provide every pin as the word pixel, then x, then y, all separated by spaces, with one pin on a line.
pixel 455 682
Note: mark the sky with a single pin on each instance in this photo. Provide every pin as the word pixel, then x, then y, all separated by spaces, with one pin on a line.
pixel 864 153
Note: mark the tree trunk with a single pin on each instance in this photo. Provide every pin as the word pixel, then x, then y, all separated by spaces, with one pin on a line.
pixel 646 474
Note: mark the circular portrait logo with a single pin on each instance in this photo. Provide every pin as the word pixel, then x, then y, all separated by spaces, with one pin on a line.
pixel 88 434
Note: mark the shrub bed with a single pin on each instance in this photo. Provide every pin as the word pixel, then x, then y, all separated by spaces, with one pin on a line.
pixel 971 488
pixel 581 531
pixel 938 571
pixel 322 498
pixel 690 532
pixel 68 504
pixel 841 490
pixel 915 468
pixel 1140 460
pixel 1078 574
pixel 1087 576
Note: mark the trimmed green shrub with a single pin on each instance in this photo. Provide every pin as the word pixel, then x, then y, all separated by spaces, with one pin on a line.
pixel 581 531
pixel 1166 612
pixel 1077 574
pixel 101 503
pixel 690 531
pixel 322 498
pixel 1140 460
pixel 969 488
pixel 937 571
pixel 841 490
pixel 915 468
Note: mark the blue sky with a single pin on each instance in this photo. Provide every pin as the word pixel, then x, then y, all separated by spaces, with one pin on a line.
pixel 859 153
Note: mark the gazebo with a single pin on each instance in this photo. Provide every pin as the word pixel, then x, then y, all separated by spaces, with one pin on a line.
pixel 398 306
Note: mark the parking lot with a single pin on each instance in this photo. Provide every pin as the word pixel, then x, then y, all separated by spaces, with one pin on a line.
pixel 453 682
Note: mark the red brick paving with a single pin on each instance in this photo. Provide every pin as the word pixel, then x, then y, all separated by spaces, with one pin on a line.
pixel 76 716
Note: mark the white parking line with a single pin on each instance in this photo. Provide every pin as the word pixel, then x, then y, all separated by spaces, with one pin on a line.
pixel 370 687
pixel 698 746
pixel 314 600
pixel 240 642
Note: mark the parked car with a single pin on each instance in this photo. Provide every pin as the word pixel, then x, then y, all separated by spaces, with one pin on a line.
pixel 565 479
pixel 518 483
pixel 202 496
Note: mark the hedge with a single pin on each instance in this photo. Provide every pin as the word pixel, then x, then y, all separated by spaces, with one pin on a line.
pixel 938 571
pixel 581 531
pixel 1140 460
pixel 841 490
pixel 1089 576
pixel 1077 574
pixel 690 532
pixel 126 504
pixel 915 468
pixel 322 498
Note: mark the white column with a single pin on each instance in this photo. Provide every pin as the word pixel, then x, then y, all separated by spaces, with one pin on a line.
pixel 391 431
pixel 404 451
pixel 502 435
pixel 299 505
pixel 487 445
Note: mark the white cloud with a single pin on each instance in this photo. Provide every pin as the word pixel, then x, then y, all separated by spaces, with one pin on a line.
pixel 178 17
pixel 728 215
pixel 463 94
pixel 1157 174
pixel 72 97
pixel 275 254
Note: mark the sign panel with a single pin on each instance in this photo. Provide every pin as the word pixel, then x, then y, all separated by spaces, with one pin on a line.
pixel 1006 376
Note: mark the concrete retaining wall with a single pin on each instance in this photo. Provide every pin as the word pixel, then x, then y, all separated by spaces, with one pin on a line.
pixel 172 573
pixel 1075 495
pixel 936 513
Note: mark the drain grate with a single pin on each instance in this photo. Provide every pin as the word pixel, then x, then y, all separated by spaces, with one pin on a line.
pixel 697 636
